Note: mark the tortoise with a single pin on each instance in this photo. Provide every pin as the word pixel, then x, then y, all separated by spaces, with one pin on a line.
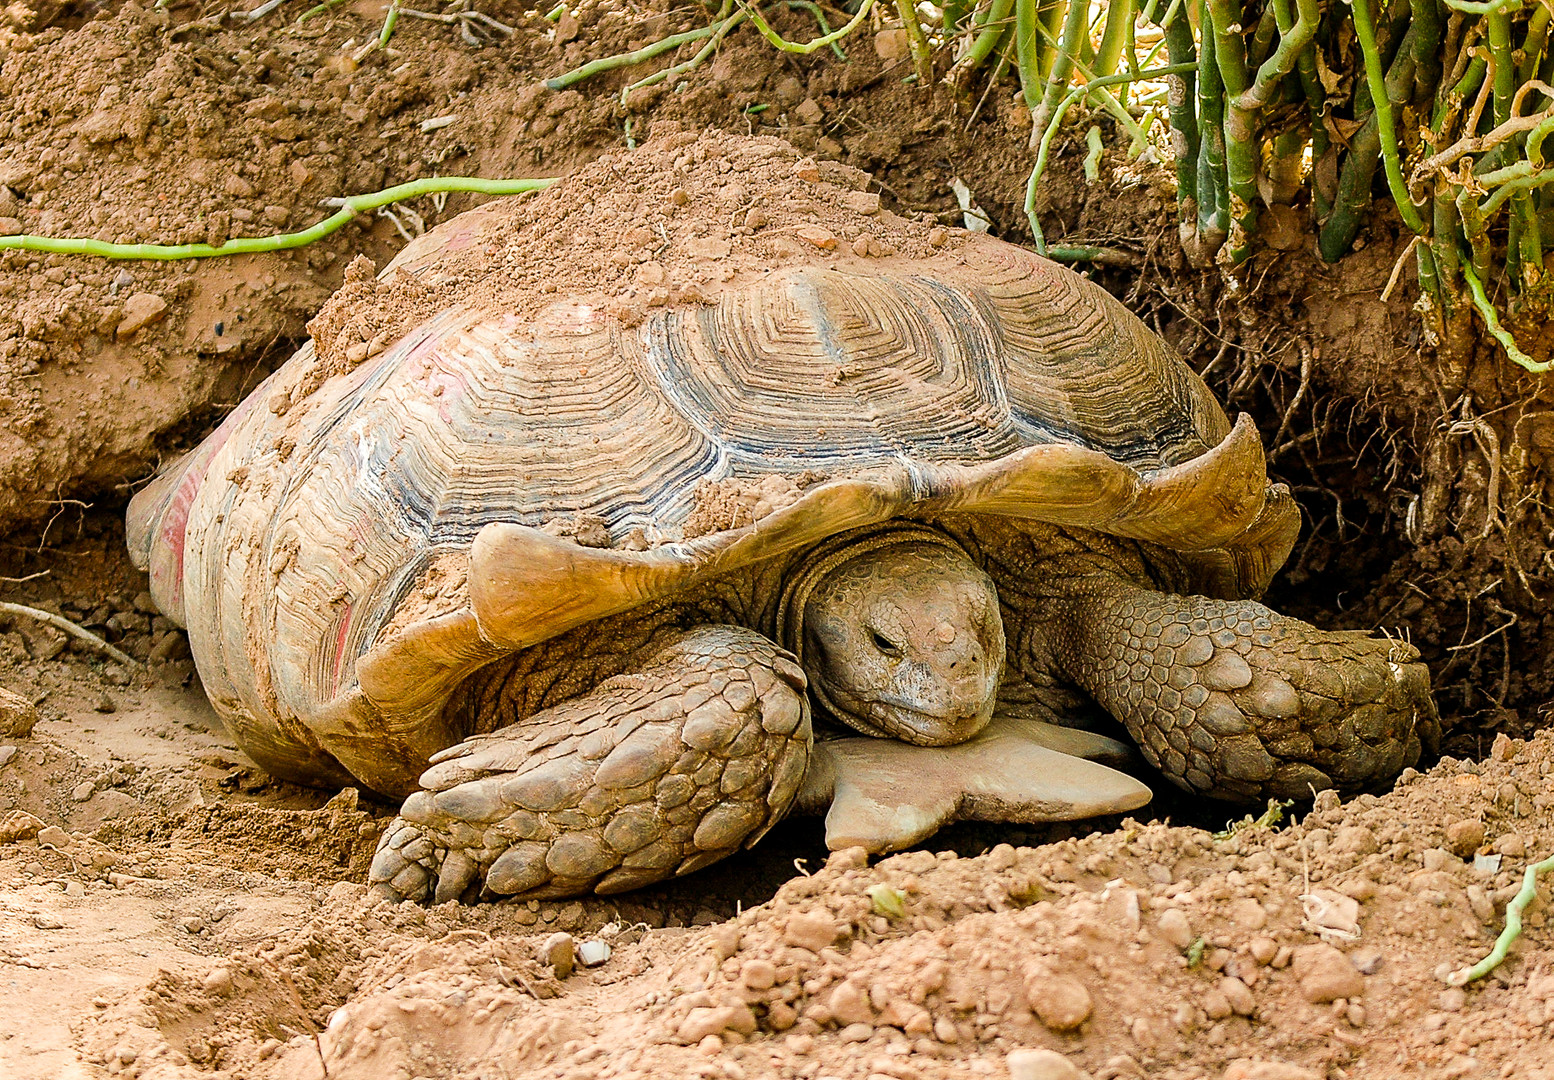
pixel 603 599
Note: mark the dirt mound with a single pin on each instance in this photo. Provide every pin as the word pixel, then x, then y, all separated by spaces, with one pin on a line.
pixel 1150 951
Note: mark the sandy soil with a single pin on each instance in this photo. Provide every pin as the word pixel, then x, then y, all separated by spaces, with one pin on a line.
pixel 172 911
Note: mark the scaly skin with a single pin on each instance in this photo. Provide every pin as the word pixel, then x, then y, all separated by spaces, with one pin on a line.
pixel 645 777
pixel 1231 699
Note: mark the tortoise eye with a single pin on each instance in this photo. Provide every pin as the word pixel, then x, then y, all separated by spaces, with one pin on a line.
pixel 885 645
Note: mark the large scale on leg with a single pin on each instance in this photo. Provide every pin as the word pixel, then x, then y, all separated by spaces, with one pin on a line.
pixel 484 571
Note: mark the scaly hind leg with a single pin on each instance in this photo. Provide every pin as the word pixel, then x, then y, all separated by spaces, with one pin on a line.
pixel 648 776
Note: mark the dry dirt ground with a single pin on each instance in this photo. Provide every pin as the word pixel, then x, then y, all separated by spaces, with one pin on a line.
pixel 170 911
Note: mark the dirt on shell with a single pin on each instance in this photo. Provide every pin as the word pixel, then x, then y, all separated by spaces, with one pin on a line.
pixel 174 912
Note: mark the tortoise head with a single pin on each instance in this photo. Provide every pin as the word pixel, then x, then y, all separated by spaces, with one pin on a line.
pixel 900 635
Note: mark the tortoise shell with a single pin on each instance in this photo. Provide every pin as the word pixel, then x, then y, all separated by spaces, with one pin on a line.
pixel 337 554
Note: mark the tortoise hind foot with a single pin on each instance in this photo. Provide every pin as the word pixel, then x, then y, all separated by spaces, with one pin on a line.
pixel 1233 700
pixel 648 776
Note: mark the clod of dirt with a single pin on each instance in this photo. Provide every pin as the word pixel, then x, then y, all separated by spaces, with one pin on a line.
pixel 18 716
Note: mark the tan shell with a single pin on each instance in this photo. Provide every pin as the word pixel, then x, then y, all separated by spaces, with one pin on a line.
pixel 344 561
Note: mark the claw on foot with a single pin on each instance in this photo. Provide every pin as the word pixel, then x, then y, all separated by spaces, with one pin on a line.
pixel 643 779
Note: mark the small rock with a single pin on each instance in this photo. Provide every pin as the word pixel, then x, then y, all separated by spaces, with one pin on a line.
pixel 1060 1002
pixel 1464 837
pixel 1248 914
pixel 938 236
pixel 862 202
pixel 892 45
pixel 560 952
pixel 702 1022
pixel 74 889
pixel 1263 949
pixel 1367 961
pixel 1325 974
pixel 218 982
pixel 54 837
pixel 1040 1065
pixel 1355 840
pixel 1216 1005
pixel 18 825
pixel 47 922
pixel 708 247
pixel 819 237
pixel 1175 928
pixel 83 791
pixel 850 1004
pixel 758 974
pixel 106 704
pixel 6 754
pixel 140 310
pixel 856 1033
pixel 592 952
pixel 1249 1069
pixel 756 217
pixel 812 930
pixel 808 111
pixel 18 716
pixel 1511 845
pixel 1242 1003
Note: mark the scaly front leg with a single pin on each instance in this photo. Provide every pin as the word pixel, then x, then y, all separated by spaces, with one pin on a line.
pixel 1231 699
pixel 648 776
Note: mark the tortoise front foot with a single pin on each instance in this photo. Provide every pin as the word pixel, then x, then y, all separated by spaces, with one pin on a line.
pixel 649 776
pixel 1232 699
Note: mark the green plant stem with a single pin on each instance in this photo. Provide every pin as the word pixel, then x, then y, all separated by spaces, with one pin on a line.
pixel 1056 122
pixel 1443 246
pixel 1468 7
pixel 1534 45
pixel 1181 111
pixel 807 47
pixel 917 41
pixel 1293 40
pixel 1525 182
pixel 1213 194
pixel 696 61
pixel 390 21
pixel 637 56
pixel 355 205
pixel 1050 15
pixel 988 32
pixel 1463 89
pixel 1382 102
pixel 1513 923
pixel 318 10
pixel 1240 122
pixel 1425 17
pixel 820 20
pixel 1027 54
pixel 1499 22
pixel 1475 231
pixel 1119 20
pixel 1353 195
pixel 1491 319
